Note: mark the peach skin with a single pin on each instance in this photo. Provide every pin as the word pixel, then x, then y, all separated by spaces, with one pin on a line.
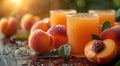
pixel 9 26
pixel 40 42
pixel 59 33
pixel 43 25
pixel 114 34
pixel 27 21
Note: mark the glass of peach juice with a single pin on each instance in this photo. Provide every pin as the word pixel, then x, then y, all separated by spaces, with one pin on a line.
pixel 59 16
pixel 80 27
pixel 105 15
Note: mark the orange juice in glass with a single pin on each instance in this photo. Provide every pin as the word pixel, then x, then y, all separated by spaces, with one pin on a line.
pixel 105 15
pixel 59 16
pixel 80 26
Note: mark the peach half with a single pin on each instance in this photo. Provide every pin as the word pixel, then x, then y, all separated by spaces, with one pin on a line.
pixel 59 32
pixel 40 42
pixel 101 51
pixel 27 21
pixel 9 26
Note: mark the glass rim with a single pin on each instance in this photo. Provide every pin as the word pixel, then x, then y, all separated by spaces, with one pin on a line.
pixel 62 10
pixel 82 15
pixel 102 10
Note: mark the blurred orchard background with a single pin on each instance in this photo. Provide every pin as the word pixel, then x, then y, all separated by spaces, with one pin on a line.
pixel 42 7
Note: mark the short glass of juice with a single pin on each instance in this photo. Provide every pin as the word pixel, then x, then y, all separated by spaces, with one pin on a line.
pixel 105 15
pixel 59 16
pixel 80 27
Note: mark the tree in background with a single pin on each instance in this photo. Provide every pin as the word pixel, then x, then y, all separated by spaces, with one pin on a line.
pixel 84 5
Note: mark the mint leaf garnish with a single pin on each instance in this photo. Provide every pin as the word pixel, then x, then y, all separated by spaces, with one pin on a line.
pixel 106 25
pixel 118 15
pixel 64 51
pixel 118 63
pixel 50 55
pixel 95 37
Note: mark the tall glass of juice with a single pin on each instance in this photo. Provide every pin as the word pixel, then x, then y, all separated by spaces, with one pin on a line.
pixel 80 27
pixel 59 16
pixel 105 15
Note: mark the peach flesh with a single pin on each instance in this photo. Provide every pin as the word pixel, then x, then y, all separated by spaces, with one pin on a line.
pixel 105 56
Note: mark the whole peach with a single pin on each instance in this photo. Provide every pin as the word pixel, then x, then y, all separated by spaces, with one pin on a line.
pixel 40 41
pixel 59 33
pixel 43 25
pixel 9 26
pixel 27 21
pixel 112 33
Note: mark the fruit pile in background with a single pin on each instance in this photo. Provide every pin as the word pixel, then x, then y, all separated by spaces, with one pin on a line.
pixel 44 38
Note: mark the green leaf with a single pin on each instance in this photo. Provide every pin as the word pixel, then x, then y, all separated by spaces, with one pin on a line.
pixel 106 25
pixel 118 15
pixel 50 55
pixel 118 19
pixel 64 51
pixel 20 37
pixel 95 37
pixel 80 3
pixel 118 63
